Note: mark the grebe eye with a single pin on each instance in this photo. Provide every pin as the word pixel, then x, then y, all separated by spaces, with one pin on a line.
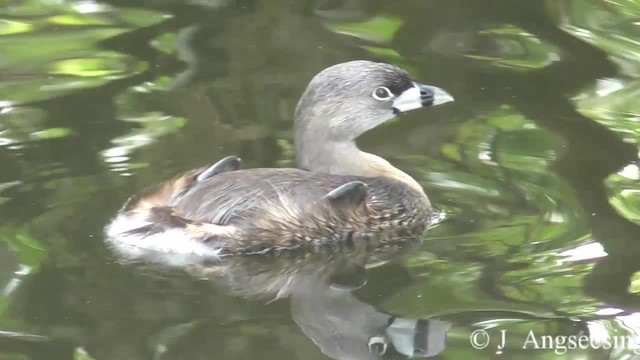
pixel 382 93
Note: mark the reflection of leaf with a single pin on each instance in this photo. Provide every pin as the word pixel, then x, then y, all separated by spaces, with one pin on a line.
pixel 27 61
pixel 531 149
pixel 608 25
pixel 7 185
pixel 627 203
pixel 4 304
pixel 386 53
pixel 165 43
pixel 43 87
pixel 460 183
pixel 81 354
pixel 139 17
pixel 613 103
pixel 391 56
pixel 287 151
pixel 8 27
pixel 624 195
pixel 155 125
pixel 109 64
pixel 507 120
pixel 514 48
pixel 29 251
pixel 507 209
pixel 94 69
pixel 378 29
pixel 634 286
pixel 51 133
pixel 40 48
pixel 78 19
pixel 19 123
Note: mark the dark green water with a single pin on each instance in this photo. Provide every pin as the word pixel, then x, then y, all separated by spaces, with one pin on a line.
pixel 535 164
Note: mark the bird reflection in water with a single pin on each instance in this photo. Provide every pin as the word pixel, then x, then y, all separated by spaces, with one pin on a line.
pixel 321 290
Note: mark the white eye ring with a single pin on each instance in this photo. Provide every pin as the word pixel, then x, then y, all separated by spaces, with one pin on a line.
pixel 382 93
pixel 378 340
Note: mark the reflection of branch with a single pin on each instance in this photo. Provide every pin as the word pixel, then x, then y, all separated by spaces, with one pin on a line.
pixel 506 173
pixel 593 152
pixel 96 110
pixel 585 167
pixel 34 346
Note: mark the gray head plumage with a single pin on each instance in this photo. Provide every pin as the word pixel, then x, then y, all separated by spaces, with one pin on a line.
pixel 345 100
pixel 339 100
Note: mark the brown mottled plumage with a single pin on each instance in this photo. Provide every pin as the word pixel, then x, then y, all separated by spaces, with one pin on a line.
pixel 284 208
pixel 340 195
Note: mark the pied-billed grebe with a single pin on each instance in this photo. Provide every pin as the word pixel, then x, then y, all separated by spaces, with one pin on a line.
pixel 339 194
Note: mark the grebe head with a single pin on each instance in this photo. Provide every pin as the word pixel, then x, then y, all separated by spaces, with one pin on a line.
pixel 346 100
